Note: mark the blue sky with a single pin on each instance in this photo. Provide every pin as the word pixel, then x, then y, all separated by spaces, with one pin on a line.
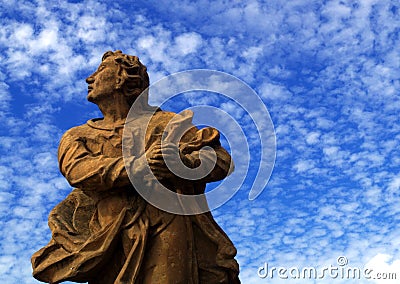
pixel 328 72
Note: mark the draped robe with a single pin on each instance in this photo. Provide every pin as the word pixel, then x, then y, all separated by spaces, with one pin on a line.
pixel 105 232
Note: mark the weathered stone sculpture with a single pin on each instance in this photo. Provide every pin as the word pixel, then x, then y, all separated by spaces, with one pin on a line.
pixel 104 231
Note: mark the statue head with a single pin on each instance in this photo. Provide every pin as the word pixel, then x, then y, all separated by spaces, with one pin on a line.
pixel 118 73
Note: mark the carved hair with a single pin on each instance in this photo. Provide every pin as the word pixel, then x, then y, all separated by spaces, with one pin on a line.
pixel 129 71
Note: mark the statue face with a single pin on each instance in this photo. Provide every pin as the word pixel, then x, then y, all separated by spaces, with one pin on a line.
pixel 103 82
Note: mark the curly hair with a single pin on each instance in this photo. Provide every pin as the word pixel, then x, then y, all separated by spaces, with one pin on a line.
pixel 132 74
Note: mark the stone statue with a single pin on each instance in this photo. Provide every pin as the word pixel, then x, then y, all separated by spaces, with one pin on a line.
pixel 104 231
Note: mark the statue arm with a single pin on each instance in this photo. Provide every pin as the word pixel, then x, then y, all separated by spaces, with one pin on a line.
pixel 86 170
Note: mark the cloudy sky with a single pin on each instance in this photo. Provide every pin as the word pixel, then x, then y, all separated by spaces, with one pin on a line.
pixel 328 72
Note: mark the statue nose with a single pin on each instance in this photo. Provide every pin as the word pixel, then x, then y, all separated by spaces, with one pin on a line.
pixel 90 80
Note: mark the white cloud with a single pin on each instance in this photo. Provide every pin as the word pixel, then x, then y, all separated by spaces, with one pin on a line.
pixel 274 92
pixel 313 138
pixel 187 43
pixel 47 39
pixel 387 267
pixel 303 166
pixel 394 184
pixel 4 96
pixel 91 29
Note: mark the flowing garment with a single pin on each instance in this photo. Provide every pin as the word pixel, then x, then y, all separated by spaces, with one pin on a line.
pixel 105 232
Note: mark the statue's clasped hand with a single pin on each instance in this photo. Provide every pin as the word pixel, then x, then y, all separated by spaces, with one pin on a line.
pixel 164 158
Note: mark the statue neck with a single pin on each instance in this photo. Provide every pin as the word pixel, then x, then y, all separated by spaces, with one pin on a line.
pixel 115 110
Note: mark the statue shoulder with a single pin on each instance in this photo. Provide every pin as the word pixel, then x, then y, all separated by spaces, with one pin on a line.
pixel 160 119
pixel 80 131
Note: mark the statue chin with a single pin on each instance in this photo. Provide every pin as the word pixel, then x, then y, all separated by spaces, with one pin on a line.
pixel 97 98
pixel 90 98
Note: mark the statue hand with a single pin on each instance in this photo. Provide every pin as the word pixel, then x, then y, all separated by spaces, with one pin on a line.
pixel 156 157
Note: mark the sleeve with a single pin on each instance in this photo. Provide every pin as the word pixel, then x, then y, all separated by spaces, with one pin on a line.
pixel 89 171
pixel 197 139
